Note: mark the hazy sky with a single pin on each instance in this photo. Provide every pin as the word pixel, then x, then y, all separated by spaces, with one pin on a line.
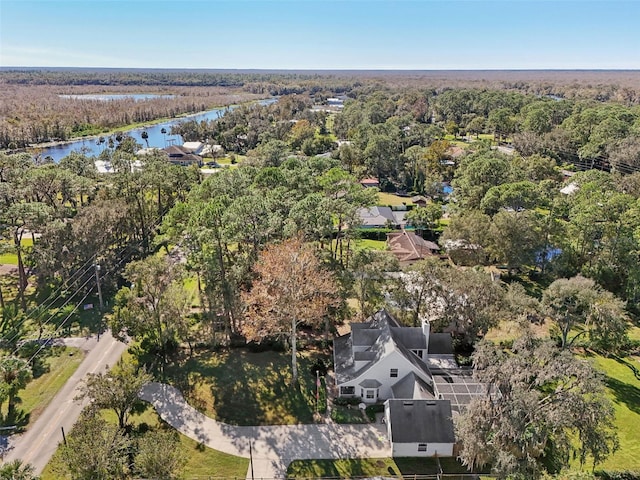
pixel 329 34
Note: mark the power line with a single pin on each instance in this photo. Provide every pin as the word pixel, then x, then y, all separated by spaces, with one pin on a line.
pixel 63 305
pixel 44 344
pixel 42 308
pixel 98 279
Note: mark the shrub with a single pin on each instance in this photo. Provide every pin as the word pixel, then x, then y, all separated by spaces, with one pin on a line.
pixel 371 411
pixel 347 401
pixel 374 233
pixel 609 475
pixel 320 366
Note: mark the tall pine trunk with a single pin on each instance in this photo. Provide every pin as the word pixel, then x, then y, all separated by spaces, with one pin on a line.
pixel 294 352
pixel 17 239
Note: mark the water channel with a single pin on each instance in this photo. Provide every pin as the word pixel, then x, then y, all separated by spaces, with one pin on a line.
pixel 91 147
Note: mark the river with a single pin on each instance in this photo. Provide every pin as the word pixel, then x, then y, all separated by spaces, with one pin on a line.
pixel 156 137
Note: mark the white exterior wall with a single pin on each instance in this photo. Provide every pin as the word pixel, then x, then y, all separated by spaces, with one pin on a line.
pixel 360 363
pixel 380 372
pixel 426 330
pixel 411 450
pixel 387 420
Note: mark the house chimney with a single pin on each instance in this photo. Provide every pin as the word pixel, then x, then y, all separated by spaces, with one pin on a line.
pixel 426 329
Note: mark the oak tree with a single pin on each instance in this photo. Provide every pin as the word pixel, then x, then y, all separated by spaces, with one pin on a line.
pixel 153 308
pixel 159 455
pixel 95 450
pixel 541 400
pixel 291 288
pixel 116 390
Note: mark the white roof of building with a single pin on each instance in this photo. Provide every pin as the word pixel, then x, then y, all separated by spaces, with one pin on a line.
pixel 569 189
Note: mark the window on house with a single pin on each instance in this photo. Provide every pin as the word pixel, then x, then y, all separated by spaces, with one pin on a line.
pixel 422 447
pixel 347 390
pixel 393 372
pixel 418 353
pixel 362 392
pixel 370 394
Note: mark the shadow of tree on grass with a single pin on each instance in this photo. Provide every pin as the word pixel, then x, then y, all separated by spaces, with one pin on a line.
pixel 625 393
pixel 241 387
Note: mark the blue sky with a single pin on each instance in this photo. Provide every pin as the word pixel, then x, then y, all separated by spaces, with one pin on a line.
pixel 329 34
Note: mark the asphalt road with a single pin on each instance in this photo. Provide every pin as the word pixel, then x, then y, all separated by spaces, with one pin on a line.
pixel 40 441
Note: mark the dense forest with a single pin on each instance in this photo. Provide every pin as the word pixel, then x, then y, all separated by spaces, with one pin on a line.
pixel 540 227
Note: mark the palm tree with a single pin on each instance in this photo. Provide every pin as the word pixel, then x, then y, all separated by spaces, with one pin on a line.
pixel 17 470
pixel 163 131
pixel 145 137
pixel 15 373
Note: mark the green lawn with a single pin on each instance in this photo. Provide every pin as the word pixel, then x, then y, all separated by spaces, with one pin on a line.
pixel 391 199
pixel 226 160
pixel 217 383
pixel 11 258
pixel 397 468
pixel 49 378
pixel 366 244
pixel 201 461
pixel 623 387
pixel 191 286
pixel 634 333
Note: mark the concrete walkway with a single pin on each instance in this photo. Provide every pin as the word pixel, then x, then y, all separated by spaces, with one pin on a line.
pixel 274 447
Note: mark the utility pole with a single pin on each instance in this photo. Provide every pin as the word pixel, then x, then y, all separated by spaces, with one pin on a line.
pixel 251 458
pixel 97 268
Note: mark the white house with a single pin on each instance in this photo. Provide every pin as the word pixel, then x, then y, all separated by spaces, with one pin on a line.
pixel 420 428
pixel 202 149
pixel 381 217
pixel 380 354
pixel 414 372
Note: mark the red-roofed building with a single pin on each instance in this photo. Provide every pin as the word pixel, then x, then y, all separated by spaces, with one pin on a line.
pixel 370 182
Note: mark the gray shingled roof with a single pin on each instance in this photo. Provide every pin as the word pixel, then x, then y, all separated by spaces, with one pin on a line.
pixel 421 421
pixel 370 383
pixel 411 337
pixel 412 386
pixel 365 336
pixel 379 216
pixel 440 344
pixel 381 326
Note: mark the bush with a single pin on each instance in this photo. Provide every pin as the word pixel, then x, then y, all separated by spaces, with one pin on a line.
pixel 609 475
pixel 343 401
pixel 320 366
pixel 265 345
pixel 342 414
pixel 374 233
pixel 371 411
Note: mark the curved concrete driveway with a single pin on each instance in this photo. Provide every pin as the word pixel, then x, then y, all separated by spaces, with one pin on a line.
pixel 274 447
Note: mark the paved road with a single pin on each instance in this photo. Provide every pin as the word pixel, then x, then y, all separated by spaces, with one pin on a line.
pixel 37 445
pixel 274 447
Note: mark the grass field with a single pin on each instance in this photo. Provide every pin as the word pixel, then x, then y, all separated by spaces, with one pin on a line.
pixel 191 286
pixel 369 467
pixel 391 199
pixel 49 378
pixel 623 387
pixel 217 383
pixel 365 244
pixel 11 258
